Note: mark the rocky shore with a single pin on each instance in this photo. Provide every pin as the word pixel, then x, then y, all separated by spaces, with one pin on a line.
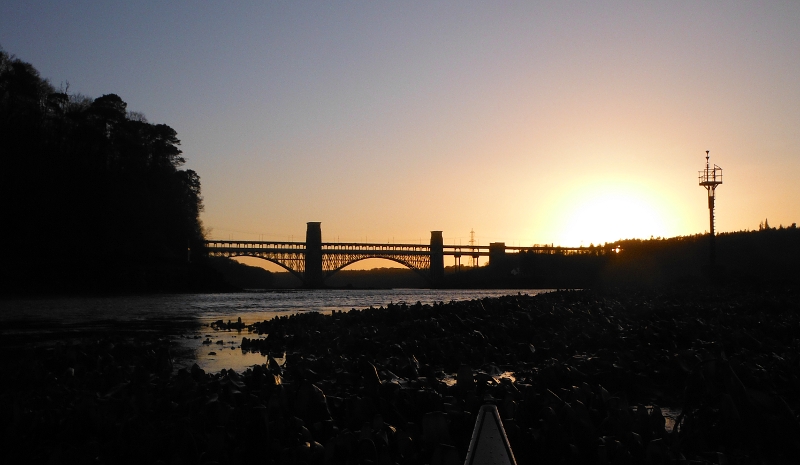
pixel 651 377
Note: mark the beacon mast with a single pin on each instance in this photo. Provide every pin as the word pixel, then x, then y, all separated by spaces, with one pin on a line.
pixel 710 178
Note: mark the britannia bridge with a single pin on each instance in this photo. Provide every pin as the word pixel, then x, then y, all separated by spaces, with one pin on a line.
pixel 313 260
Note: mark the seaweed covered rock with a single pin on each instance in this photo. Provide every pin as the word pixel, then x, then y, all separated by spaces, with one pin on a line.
pixel 578 377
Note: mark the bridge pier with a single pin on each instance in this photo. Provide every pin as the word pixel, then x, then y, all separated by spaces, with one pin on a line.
pixel 437 257
pixel 313 276
pixel 497 255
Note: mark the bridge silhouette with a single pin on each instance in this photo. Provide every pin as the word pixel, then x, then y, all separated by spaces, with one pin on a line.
pixel 313 260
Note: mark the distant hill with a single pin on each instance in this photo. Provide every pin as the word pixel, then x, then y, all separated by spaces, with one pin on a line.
pixel 377 278
pixel 242 276
pixel 767 256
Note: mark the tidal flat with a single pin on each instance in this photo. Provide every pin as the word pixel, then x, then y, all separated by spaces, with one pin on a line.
pixel 671 376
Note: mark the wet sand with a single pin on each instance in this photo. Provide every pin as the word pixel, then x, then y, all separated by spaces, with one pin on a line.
pixel 578 377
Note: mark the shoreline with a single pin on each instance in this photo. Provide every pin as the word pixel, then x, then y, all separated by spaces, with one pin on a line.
pixel 581 359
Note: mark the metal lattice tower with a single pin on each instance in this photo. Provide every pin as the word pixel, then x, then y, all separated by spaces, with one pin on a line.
pixel 710 178
pixel 472 244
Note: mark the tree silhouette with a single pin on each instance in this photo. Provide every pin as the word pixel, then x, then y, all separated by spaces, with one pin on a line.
pixel 93 195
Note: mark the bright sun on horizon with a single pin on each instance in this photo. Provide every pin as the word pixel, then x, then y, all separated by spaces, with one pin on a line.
pixel 604 214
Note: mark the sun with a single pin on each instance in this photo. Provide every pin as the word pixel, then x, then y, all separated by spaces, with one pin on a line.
pixel 609 213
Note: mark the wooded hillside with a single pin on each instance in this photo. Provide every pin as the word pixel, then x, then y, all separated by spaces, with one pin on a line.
pixel 93 196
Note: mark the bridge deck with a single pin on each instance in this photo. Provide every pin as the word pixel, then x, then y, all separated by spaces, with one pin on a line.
pixel 333 256
pixel 218 247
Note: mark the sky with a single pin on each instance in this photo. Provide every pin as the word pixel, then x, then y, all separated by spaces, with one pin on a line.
pixel 526 122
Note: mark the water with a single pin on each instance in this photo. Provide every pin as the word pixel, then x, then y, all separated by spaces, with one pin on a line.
pixel 18 317
pixel 21 316
pixel 205 308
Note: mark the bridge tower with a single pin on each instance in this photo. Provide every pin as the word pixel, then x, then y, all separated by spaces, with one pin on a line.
pixel 437 257
pixel 313 273
pixel 497 255
pixel 710 178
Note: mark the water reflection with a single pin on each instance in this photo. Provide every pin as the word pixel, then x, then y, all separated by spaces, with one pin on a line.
pixel 207 308
pixel 188 318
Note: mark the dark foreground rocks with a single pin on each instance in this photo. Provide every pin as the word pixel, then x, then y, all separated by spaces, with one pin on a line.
pixel 578 377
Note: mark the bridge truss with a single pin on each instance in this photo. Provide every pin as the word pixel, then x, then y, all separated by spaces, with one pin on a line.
pixel 289 255
pixel 335 256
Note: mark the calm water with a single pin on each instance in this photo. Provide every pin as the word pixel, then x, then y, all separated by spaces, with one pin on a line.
pixel 28 315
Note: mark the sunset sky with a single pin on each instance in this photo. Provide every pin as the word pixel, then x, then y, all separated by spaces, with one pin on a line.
pixel 530 122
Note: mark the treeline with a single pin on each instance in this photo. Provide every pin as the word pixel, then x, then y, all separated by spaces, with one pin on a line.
pixel 377 278
pixel 93 197
pixel 769 256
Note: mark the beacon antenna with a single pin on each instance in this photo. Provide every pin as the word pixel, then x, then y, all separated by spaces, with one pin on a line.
pixel 710 178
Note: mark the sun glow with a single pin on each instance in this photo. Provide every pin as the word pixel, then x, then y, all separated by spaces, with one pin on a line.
pixel 604 214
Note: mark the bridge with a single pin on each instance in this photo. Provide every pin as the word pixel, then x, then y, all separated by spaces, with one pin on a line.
pixel 313 260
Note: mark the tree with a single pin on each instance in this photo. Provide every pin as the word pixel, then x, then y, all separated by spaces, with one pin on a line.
pixel 93 184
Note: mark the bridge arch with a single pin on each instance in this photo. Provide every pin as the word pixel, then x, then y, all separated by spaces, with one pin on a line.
pixel 344 264
pixel 276 261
